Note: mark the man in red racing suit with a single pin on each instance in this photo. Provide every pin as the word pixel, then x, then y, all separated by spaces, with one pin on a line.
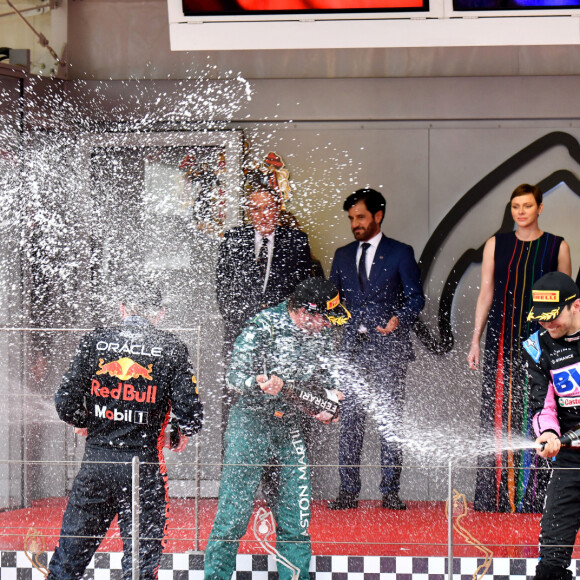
pixel 119 391
pixel 553 364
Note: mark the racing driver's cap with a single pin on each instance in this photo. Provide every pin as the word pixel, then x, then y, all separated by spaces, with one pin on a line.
pixel 550 294
pixel 320 296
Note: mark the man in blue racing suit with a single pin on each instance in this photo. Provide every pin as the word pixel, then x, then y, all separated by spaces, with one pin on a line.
pixel 553 363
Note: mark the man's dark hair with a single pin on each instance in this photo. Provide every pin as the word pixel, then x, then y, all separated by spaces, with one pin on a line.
pixel 373 199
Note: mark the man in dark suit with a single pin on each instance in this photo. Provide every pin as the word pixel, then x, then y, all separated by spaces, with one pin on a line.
pixel 380 283
pixel 259 265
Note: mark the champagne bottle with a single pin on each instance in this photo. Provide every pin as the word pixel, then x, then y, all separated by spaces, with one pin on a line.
pixel 308 396
pixel 569 439
pixel 311 398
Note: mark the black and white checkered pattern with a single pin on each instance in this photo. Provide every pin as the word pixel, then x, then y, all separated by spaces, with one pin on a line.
pixel 107 566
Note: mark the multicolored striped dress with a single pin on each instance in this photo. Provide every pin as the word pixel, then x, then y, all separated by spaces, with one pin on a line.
pixel 501 483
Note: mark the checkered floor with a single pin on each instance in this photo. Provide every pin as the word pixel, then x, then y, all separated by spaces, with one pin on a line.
pixel 107 566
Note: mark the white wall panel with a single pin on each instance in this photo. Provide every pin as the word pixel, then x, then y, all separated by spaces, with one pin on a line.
pixel 326 165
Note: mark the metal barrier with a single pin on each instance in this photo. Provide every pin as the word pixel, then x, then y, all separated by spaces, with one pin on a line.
pixel 451 469
pixel 135 512
pixel 451 502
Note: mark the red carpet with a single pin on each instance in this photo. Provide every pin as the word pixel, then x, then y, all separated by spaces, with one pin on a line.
pixel 421 530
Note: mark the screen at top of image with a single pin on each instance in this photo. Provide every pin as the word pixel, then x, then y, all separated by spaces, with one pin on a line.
pixel 478 5
pixel 233 7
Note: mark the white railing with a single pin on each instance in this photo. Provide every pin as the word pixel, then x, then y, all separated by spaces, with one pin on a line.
pixel 429 544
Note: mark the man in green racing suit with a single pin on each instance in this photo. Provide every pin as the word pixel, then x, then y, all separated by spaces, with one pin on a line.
pixel 281 346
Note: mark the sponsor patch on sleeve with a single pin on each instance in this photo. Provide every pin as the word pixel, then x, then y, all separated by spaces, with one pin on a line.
pixel 532 346
pixel 569 401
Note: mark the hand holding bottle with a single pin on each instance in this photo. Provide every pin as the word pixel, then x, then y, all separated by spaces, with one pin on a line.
pixel 549 444
pixel 270 386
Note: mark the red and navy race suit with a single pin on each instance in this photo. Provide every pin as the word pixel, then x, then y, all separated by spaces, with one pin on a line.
pixel 554 371
pixel 122 384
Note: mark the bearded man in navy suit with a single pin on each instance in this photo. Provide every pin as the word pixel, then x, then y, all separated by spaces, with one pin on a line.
pixel 380 283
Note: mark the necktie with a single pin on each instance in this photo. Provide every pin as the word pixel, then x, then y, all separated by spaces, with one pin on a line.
pixel 262 259
pixel 362 267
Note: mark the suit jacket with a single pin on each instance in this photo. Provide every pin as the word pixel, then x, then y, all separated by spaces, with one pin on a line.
pixel 238 281
pixel 394 289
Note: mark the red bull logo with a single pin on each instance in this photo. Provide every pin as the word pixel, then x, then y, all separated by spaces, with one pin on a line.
pixel 124 392
pixel 125 369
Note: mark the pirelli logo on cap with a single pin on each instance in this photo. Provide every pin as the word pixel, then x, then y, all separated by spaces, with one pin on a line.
pixel 333 303
pixel 546 295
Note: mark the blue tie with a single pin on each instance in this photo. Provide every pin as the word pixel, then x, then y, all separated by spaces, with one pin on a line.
pixel 362 269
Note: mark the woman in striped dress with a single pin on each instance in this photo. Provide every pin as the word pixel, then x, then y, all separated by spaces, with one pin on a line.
pixel 512 262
